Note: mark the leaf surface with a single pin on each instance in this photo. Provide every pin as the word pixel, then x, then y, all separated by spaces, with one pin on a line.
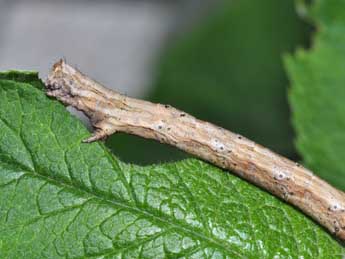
pixel 60 198
pixel 318 93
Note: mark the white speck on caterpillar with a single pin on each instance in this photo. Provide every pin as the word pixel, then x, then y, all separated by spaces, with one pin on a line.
pixel 217 145
pixel 280 174
pixel 336 207
pixel 159 125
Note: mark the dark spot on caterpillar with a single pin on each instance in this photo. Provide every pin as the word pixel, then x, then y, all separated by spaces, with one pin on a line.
pixel 159 127
pixel 182 114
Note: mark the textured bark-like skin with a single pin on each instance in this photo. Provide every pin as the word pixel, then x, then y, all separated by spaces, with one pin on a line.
pixel 110 112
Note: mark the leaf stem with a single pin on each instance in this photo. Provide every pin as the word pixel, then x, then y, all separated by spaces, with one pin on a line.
pixel 112 112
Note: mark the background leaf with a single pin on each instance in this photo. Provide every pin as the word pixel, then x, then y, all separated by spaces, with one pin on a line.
pixel 60 198
pixel 318 93
pixel 228 70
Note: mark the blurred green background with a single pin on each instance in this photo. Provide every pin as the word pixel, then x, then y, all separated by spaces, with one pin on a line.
pixel 227 69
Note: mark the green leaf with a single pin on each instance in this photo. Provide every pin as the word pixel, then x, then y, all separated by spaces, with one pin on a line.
pixel 228 70
pixel 318 93
pixel 60 198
